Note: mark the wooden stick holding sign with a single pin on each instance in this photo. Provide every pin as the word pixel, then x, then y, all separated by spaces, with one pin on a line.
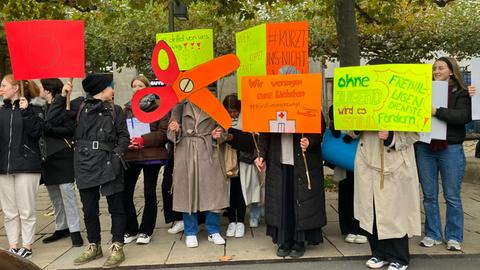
pixel 22 91
pixel 306 168
pixel 68 95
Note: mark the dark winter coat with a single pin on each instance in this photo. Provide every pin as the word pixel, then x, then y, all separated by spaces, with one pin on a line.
pixel 101 140
pixel 310 204
pixel 154 142
pixel 19 135
pixel 458 113
pixel 57 149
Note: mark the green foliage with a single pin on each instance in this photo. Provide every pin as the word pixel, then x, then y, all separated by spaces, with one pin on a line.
pixel 123 31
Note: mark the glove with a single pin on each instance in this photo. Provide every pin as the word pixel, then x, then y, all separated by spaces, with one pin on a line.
pixel 336 133
pixel 136 143
pixel 347 139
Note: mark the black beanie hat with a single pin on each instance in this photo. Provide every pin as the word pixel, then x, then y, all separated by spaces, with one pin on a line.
pixel 96 83
pixel 53 85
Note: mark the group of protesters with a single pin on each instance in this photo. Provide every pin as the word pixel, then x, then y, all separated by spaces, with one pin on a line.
pixel 86 145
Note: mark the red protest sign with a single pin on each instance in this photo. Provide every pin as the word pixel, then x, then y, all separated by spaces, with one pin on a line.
pixel 46 49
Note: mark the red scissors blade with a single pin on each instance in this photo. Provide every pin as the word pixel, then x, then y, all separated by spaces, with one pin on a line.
pixel 169 75
pixel 168 99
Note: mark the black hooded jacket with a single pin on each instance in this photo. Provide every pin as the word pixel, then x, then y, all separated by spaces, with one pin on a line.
pixel 19 135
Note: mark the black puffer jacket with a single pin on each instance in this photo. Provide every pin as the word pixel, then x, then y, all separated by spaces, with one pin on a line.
pixel 101 140
pixel 458 113
pixel 19 135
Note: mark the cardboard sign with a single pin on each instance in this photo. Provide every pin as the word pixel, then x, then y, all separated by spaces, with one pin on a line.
pixel 396 97
pixel 475 68
pixel 439 99
pixel 282 103
pixel 46 49
pixel 191 48
pixel 266 48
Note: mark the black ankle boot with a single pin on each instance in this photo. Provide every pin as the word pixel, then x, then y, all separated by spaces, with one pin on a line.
pixel 283 250
pixel 77 240
pixel 56 236
pixel 298 250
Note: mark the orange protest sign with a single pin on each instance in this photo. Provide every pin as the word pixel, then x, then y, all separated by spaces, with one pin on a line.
pixel 287 44
pixel 282 103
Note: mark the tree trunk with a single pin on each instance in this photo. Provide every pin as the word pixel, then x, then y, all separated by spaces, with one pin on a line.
pixel 347 33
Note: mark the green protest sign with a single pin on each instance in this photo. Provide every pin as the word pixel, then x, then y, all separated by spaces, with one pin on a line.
pixel 395 97
pixel 191 48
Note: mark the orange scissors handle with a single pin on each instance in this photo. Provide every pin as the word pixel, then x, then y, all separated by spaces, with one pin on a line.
pixel 202 75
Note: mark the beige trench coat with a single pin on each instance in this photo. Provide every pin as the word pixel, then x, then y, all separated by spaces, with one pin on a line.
pixel 199 182
pixel 397 205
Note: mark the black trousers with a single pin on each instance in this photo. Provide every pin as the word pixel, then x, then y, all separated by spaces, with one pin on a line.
pixel 90 198
pixel 391 250
pixel 167 196
pixel 236 210
pixel 348 223
pixel 149 216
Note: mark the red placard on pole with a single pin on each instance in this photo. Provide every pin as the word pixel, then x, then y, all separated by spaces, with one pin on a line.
pixel 46 49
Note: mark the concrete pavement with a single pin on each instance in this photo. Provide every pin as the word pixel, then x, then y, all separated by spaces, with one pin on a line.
pixel 169 250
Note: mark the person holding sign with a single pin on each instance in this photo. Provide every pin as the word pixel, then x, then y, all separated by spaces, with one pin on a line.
pixel 101 140
pixel 294 206
pixel 146 152
pixel 199 183
pixel 20 162
pixel 57 173
pixel 386 176
pixel 447 158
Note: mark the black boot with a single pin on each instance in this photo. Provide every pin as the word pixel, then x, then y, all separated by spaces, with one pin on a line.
pixel 56 236
pixel 77 240
pixel 298 249
pixel 283 250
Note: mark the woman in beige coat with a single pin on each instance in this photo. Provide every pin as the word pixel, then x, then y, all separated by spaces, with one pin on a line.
pixel 390 214
pixel 199 183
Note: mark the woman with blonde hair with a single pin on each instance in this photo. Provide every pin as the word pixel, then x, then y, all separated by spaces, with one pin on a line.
pixel 20 162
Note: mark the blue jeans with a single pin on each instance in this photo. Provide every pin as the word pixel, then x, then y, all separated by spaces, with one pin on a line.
pixel 450 163
pixel 212 223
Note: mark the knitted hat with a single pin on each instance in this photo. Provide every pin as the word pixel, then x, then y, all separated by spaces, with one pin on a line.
pixel 96 83
pixel 52 85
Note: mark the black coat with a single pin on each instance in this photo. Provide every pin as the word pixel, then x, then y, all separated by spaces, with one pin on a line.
pixel 310 204
pixel 19 135
pixel 458 113
pixel 57 149
pixel 101 140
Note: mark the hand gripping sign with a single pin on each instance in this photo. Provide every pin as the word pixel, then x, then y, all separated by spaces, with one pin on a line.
pixel 191 85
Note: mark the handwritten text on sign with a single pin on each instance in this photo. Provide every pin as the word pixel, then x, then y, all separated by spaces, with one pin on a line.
pixel 383 97
pixel 191 48
pixel 282 103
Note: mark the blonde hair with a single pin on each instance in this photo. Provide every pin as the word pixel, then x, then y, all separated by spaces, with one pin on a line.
pixel 30 88
pixel 141 78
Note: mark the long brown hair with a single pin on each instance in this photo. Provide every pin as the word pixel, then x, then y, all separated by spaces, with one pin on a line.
pixel 30 88
pixel 457 77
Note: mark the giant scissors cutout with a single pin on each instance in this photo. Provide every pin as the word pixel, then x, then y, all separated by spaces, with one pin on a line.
pixel 191 85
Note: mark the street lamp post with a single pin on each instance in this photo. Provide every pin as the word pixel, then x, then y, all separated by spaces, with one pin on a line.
pixel 176 9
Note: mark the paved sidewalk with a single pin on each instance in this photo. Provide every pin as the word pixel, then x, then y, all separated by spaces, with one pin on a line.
pixel 169 250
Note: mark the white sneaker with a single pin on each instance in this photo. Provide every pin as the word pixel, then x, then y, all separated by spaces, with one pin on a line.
pixel 191 241
pixel 429 242
pixel 216 238
pixel 397 266
pixel 127 238
pixel 453 245
pixel 240 230
pixel 177 227
pixel 143 239
pixel 253 222
pixel 375 263
pixel 361 239
pixel 350 238
pixel 231 229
